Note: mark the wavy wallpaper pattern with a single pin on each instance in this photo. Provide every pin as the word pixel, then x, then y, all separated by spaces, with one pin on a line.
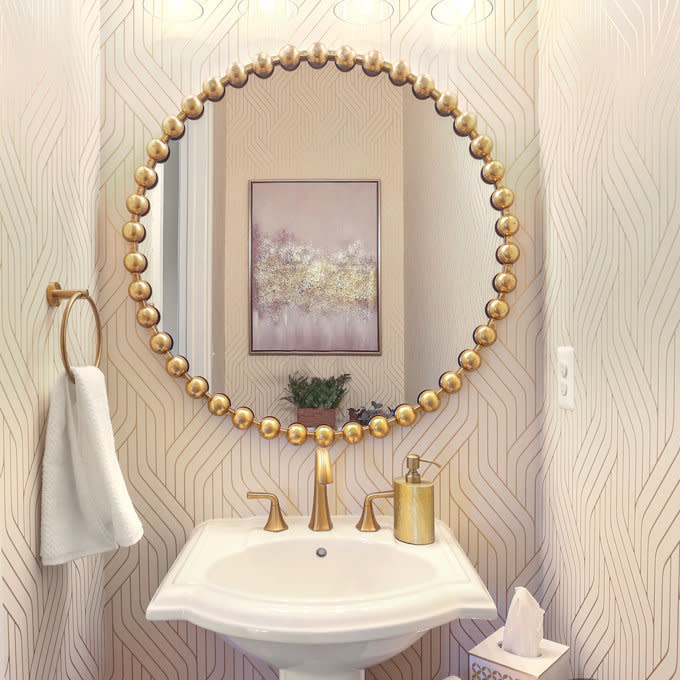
pixel 581 507
pixel 185 466
pixel 610 141
pixel 50 618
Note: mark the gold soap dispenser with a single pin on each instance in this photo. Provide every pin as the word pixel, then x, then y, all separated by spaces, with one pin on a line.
pixel 414 504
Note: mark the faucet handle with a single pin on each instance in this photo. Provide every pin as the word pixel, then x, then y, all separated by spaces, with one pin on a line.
pixel 367 521
pixel 275 521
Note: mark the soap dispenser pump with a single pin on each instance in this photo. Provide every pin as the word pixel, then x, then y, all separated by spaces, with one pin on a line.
pixel 414 504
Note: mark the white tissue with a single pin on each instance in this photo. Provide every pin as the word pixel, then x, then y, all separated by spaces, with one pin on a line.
pixel 524 625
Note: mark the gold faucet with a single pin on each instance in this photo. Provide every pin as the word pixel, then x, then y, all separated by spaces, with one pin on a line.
pixel 323 476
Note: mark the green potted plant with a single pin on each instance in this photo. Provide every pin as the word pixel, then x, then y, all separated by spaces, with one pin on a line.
pixel 364 414
pixel 317 399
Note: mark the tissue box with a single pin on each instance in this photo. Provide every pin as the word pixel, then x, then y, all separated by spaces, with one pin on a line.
pixel 489 661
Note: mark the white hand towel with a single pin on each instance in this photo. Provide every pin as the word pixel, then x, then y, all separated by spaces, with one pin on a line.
pixel 86 508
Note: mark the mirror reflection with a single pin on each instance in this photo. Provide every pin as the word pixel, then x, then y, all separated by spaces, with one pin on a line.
pixel 321 224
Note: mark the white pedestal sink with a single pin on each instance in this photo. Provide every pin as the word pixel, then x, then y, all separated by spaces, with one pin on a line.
pixel 272 594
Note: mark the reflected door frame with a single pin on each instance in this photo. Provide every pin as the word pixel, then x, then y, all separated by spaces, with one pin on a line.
pixel 183 289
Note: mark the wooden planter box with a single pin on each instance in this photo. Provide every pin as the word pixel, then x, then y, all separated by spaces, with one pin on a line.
pixel 313 417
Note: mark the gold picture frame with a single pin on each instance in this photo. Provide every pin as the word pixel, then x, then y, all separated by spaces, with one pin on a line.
pixel 360 304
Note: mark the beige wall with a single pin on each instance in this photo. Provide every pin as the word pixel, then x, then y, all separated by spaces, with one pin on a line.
pixel 581 510
pixel 449 246
pixel 610 501
pixel 306 125
pixel 51 618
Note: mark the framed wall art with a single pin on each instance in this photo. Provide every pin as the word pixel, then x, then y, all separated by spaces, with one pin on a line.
pixel 315 267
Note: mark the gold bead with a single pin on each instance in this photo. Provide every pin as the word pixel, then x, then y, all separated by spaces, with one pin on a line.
pixel 353 432
pixel 423 86
pixel 148 316
pixel 192 106
pixel 270 427
pixel 134 232
pixel 429 400
pixel 493 171
pixel 173 127
pixel 465 124
pixel 507 253
pixel 469 360
pixel 345 58
pixel 504 282
pixel 446 103
pixel 373 63
pixel 317 56
pixel 139 290
pixel 177 366
pixel 236 74
pixel 296 434
pixel 146 176
pixel 135 263
pixel 213 89
pixel 502 198
pixel 219 404
pixel 263 66
pixel 324 435
pixel 450 382
pixel 399 72
pixel 484 335
pixel 379 427
pixel 405 415
pixel 197 387
pixel 137 205
pixel 507 225
pixel 497 309
pixel 158 150
pixel 243 418
pixel 481 146
pixel 289 58
pixel 161 343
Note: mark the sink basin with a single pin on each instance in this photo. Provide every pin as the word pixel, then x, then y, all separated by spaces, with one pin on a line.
pixel 366 599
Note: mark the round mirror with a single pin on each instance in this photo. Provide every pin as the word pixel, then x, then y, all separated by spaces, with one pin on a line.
pixel 320 238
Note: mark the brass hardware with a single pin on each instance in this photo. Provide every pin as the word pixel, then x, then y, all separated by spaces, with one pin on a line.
pixel 55 294
pixel 367 521
pixel 413 462
pixel 323 476
pixel 275 521
pixel 345 58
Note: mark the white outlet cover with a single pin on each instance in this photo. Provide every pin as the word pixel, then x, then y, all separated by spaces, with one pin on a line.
pixel 565 378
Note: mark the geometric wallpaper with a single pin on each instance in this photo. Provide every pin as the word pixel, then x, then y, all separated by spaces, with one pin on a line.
pixel 184 465
pixel 303 125
pixel 581 507
pixel 609 531
pixel 51 622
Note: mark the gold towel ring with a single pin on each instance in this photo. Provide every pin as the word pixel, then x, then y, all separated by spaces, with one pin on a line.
pixel 55 295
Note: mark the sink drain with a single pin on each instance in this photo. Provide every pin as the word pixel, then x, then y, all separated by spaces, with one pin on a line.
pixel 321 552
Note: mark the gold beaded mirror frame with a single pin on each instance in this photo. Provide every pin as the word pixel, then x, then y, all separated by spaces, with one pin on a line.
pixel 345 59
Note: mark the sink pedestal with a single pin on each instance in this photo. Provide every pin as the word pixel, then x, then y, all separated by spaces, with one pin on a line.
pixel 307 675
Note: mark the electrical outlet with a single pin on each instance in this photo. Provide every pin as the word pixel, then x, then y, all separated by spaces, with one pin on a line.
pixel 565 378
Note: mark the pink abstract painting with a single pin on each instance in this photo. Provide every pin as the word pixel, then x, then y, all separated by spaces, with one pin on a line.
pixel 314 267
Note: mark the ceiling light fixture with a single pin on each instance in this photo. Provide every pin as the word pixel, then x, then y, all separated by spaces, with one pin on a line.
pixel 460 12
pixel 363 11
pixel 182 11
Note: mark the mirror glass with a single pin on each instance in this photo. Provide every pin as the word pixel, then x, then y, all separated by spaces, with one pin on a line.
pixel 320 223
